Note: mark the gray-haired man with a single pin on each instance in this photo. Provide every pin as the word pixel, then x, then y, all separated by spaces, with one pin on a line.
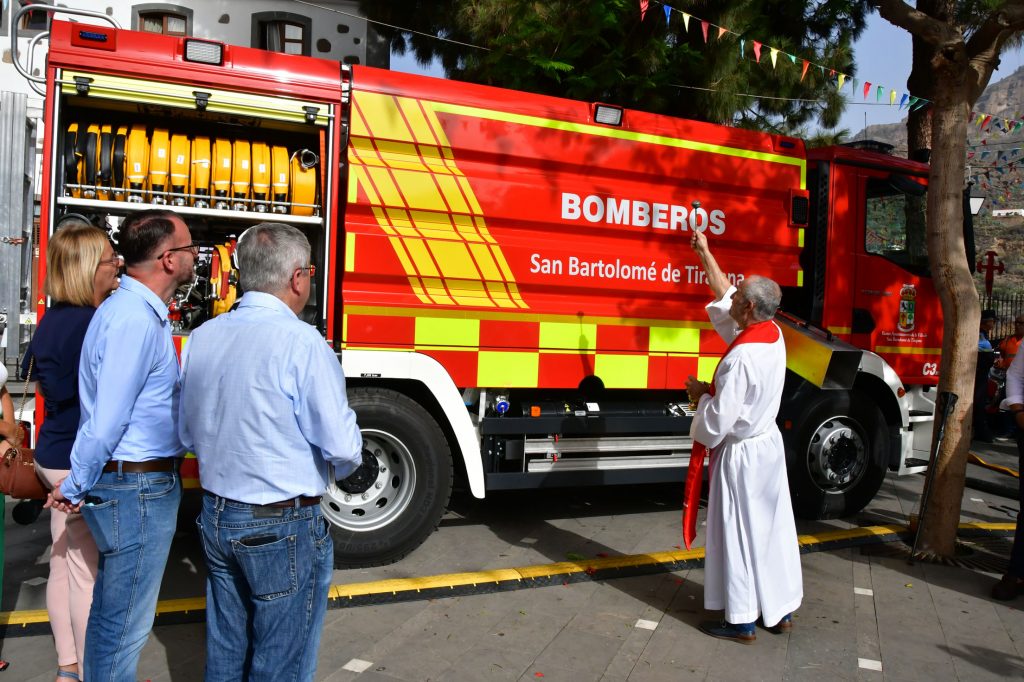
pixel 753 559
pixel 263 406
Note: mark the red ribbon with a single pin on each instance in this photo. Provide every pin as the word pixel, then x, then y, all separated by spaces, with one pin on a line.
pixel 759 332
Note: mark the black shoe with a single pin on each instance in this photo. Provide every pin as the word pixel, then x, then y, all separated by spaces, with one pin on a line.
pixel 742 633
pixel 1008 588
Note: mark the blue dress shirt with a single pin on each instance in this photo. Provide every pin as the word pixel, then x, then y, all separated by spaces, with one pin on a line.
pixel 263 405
pixel 54 355
pixel 128 387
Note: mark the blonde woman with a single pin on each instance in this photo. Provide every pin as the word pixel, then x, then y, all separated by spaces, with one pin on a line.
pixel 83 271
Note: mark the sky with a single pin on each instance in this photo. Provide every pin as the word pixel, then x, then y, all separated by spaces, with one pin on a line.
pixel 882 55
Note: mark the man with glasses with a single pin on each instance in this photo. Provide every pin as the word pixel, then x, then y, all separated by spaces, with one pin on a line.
pixel 270 434
pixel 124 463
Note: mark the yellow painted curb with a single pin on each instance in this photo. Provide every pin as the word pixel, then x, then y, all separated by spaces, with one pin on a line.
pixel 498 576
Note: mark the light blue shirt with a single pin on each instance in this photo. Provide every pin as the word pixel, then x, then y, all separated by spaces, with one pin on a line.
pixel 128 387
pixel 263 405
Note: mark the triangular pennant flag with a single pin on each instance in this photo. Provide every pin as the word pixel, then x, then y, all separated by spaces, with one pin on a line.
pixel 1017 127
pixel 822 70
pixel 831 72
pixel 668 14
pixel 686 21
pixel 722 30
pixel 757 51
pixel 970 155
pixel 867 89
pixel 878 94
pixel 704 29
pixel 988 119
pixel 913 101
pixel 792 57
pixel 921 103
pixel 853 85
pixel 903 100
pixel 743 44
pixel 803 72
pixel 842 78
pixel 775 57
pixel 892 97
pixel 643 8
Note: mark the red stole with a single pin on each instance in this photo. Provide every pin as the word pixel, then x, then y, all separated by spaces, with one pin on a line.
pixel 759 332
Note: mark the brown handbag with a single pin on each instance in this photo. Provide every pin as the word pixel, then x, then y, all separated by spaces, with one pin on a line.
pixel 17 465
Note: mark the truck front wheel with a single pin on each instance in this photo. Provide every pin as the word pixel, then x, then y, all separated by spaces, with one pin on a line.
pixel 400 503
pixel 835 455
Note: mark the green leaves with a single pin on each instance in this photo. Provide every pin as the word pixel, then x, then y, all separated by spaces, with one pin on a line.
pixel 600 50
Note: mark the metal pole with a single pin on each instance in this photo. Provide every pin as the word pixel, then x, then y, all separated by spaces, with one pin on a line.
pixel 944 408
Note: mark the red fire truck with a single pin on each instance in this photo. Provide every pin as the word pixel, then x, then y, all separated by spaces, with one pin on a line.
pixel 506 277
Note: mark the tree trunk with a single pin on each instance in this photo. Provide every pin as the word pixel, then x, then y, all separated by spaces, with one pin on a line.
pixel 961 315
pixel 921 83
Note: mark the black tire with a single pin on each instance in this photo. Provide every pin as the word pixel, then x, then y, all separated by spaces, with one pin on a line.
pixel 410 493
pixel 836 455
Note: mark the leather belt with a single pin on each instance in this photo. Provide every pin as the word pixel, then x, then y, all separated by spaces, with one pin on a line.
pixel 147 467
pixel 301 501
pixel 294 502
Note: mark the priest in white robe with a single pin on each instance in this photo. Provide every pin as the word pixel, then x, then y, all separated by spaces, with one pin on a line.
pixel 752 564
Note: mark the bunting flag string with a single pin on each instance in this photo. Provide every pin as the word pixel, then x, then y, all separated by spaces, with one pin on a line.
pixel 988 123
pixel 911 102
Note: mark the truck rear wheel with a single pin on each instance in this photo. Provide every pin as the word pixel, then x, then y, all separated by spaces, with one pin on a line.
pixel 836 455
pixel 403 503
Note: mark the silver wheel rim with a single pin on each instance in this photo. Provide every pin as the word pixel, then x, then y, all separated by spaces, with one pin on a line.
pixel 386 499
pixel 837 455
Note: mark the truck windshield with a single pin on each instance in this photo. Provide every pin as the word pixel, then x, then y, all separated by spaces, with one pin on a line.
pixel 895 225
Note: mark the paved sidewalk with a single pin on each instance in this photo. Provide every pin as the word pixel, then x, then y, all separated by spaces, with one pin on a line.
pixel 867 613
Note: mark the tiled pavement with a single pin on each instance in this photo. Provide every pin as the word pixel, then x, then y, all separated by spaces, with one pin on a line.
pixel 867 613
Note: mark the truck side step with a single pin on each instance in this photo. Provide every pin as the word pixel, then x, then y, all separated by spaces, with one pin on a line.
pixel 560 446
pixel 674 460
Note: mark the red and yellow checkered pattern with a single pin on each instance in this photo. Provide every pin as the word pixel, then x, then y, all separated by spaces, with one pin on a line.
pixel 509 351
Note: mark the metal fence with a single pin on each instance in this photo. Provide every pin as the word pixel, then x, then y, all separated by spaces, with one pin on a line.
pixel 1007 308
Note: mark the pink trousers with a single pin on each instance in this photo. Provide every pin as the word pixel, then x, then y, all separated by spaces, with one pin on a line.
pixel 73 562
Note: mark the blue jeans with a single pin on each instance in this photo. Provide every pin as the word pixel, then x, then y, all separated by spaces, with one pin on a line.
pixel 268 574
pixel 132 522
